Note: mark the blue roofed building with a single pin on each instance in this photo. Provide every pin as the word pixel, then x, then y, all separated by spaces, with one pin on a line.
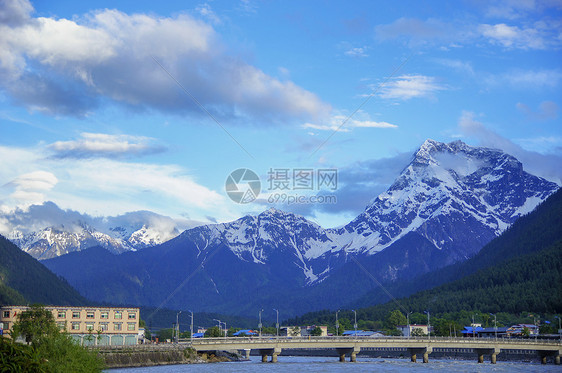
pixel 471 331
pixel 244 332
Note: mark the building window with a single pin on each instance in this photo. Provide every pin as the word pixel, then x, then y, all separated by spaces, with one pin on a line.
pixel 89 326
pixel 75 314
pixel 132 316
pixel 6 314
pixel 117 326
pixel 61 325
pixel 118 315
pixel 103 326
pixel 90 315
pixel 75 326
pixel 131 326
pixel 6 325
pixel 104 315
pixel 61 315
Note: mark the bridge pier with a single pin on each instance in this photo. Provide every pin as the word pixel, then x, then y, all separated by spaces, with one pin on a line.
pixel 414 352
pixel 493 352
pixel 352 351
pixel 273 352
pixel 544 354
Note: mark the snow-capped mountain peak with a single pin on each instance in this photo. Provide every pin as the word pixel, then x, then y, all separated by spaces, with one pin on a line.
pixel 46 231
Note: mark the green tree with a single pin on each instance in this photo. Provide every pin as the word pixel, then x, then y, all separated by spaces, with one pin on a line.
pixel 269 331
pixel 35 325
pixel 213 332
pixel 316 332
pixel 164 334
pixel 345 324
pixel 56 351
pixel 395 318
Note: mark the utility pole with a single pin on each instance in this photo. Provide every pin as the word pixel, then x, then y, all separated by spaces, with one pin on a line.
pixel 495 325
pixel 191 327
pixel 428 325
pixel 259 325
pixel 337 324
pixel 178 327
pixel 277 324
pixel 559 328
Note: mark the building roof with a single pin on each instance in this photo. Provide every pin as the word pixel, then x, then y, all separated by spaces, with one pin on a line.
pixel 361 333
pixel 472 330
pixel 245 332
pixel 492 329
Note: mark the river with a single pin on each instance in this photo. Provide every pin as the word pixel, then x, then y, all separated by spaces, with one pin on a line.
pixel 330 364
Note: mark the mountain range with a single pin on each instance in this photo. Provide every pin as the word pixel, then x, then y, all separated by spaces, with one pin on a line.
pixel 518 272
pixel 47 231
pixel 447 203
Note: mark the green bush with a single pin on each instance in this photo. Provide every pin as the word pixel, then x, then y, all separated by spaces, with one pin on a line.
pixel 49 350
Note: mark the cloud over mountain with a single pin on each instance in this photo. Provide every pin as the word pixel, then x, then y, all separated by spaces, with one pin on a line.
pixel 67 66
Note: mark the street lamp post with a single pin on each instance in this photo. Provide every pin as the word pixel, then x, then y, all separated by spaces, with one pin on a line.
pixel 428 325
pixel 355 322
pixel 259 325
pixel 337 324
pixel 191 327
pixel 177 327
pixel 277 323
pixel 559 327
pixel 408 322
pixel 220 327
pixel 495 325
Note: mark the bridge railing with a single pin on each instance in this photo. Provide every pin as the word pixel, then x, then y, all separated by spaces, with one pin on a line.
pixel 387 339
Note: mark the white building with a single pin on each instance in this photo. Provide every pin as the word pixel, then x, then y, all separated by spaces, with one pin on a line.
pixel 408 330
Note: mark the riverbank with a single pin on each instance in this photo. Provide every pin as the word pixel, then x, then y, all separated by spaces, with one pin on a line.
pixel 135 358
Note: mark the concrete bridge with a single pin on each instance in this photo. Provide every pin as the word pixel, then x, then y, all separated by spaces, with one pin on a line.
pixel 351 346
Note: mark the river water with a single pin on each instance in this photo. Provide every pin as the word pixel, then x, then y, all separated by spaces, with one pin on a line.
pixel 330 364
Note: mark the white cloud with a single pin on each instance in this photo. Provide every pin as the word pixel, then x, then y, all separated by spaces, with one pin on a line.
pixel 526 79
pixel 464 67
pixel 410 86
pixel 104 145
pixel 417 31
pixel 325 127
pixel 342 123
pixel 543 33
pixel 38 180
pixel 62 66
pixel 544 165
pixel 207 12
pixel 100 186
pixel 513 36
pixel 30 187
pixel 357 52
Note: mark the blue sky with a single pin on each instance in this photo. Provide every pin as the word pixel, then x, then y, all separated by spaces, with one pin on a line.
pixel 115 106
